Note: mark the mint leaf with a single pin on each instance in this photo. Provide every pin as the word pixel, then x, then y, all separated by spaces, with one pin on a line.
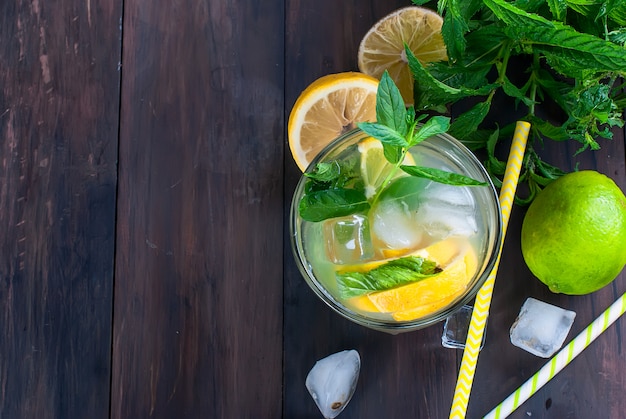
pixel 393 120
pixel 618 36
pixel 455 76
pixel 512 90
pixel 392 153
pixel 407 189
pixel 384 133
pixel 390 107
pixel 555 89
pixel 334 189
pixel 340 173
pixel 581 51
pixel 558 8
pixel 392 274
pixel 330 203
pixel 476 140
pixel 453 32
pixel 468 121
pixel 456 24
pixel 441 176
pixel 549 130
pixel 434 126
pixel 594 100
pixel 494 164
pixel 618 14
pixel 574 50
pixel 431 93
pixel 325 172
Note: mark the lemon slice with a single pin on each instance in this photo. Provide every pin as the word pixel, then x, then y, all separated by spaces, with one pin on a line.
pixel 408 302
pixel 329 107
pixel 374 166
pixel 382 48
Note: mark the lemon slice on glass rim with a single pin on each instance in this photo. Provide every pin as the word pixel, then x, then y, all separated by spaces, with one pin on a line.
pixel 327 108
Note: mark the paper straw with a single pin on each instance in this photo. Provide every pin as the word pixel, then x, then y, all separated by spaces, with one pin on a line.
pixel 483 298
pixel 560 360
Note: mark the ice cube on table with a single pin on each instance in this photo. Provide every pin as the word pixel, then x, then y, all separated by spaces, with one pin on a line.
pixel 348 239
pixel 541 328
pixel 332 381
pixel 456 327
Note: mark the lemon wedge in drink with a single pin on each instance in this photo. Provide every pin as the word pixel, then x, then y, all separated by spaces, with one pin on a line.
pixel 375 168
pixel 459 262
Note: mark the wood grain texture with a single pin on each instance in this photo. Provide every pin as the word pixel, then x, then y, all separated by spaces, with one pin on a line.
pixel 59 96
pixel 198 296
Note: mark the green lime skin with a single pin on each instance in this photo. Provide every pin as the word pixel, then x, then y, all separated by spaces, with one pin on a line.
pixel 573 235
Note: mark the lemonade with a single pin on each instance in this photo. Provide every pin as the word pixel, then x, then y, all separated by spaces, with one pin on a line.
pixel 413 252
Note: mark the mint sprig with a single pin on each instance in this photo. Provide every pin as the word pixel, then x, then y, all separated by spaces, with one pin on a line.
pixel 334 189
pixel 397 129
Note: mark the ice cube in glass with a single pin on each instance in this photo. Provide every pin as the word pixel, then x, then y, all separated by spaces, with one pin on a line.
pixel 395 227
pixel 541 328
pixel 348 239
pixel 447 210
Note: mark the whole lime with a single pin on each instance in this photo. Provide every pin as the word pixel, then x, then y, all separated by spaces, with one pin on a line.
pixel 574 233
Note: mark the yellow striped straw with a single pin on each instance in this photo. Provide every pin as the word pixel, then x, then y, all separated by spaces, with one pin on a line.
pixel 483 298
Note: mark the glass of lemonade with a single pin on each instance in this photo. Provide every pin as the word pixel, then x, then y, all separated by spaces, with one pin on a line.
pixel 356 263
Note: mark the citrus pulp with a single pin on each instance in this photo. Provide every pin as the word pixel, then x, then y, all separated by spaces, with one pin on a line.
pixel 459 263
pixel 382 47
pixel 327 108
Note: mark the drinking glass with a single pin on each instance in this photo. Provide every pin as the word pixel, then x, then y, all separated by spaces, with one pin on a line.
pixel 462 223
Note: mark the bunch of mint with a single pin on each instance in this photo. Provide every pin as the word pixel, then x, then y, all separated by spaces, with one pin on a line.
pixel 576 59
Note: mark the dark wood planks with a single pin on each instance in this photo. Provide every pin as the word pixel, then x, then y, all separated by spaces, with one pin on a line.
pixel 59 97
pixel 198 297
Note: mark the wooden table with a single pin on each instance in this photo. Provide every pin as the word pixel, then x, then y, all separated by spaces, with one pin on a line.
pixel 145 265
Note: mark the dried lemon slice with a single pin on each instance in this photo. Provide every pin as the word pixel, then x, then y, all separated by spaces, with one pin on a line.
pixel 382 48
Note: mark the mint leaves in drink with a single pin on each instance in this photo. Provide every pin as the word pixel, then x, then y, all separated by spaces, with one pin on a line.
pixel 391 274
pixel 335 189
